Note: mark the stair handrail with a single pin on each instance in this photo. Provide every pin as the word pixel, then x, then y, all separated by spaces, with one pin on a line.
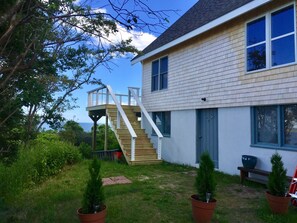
pixel 126 121
pixel 149 119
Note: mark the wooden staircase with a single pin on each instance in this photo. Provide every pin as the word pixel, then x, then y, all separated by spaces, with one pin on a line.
pixel 144 150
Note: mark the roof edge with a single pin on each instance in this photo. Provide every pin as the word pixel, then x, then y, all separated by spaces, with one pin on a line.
pixel 225 18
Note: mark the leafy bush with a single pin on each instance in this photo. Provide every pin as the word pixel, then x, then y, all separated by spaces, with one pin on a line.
pixel 85 150
pixel 44 157
pixel 205 182
pixel 277 179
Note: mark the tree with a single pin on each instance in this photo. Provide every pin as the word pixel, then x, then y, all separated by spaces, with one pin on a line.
pixel 72 132
pixel 50 48
pixel 111 138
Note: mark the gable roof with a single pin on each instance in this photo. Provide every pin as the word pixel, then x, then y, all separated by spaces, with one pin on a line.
pixel 204 15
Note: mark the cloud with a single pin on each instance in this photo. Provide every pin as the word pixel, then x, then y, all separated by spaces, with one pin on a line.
pixel 139 39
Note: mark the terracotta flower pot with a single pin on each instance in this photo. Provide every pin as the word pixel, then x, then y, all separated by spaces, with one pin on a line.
pixel 278 205
pixel 98 217
pixel 202 211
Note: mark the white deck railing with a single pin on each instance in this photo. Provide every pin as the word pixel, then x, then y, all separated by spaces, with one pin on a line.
pixel 100 96
pixel 145 114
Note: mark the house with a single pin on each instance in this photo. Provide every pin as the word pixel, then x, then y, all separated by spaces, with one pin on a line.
pixel 223 78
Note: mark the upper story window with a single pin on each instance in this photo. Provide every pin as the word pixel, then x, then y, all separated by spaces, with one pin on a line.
pixel 270 40
pixel 160 74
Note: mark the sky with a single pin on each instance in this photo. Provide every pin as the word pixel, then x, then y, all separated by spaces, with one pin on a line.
pixel 123 74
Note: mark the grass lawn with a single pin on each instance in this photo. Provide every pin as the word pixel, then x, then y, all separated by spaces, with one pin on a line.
pixel 159 193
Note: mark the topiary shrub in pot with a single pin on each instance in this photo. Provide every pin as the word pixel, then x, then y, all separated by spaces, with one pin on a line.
pixel 93 208
pixel 203 203
pixel 277 186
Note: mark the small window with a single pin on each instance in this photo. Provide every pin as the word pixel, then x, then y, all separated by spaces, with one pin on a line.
pixel 275 126
pixel 163 122
pixel 160 74
pixel 271 45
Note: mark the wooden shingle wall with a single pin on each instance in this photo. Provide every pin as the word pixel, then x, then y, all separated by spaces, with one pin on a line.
pixel 212 66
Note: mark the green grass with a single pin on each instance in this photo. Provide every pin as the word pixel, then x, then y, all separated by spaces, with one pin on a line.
pixel 159 193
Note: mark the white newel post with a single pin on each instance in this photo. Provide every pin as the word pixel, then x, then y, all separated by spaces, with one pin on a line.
pixel 97 97
pixel 107 97
pixel 159 148
pixel 89 99
pixel 142 120
pixel 133 139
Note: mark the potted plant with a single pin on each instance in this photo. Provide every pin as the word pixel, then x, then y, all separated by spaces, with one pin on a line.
pixel 203 203
pixel 276 195
pixel 93 209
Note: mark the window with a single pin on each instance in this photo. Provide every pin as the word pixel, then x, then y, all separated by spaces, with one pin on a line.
pixel 275 126
pixel 160 74
pixel 163 122
pixel 270 40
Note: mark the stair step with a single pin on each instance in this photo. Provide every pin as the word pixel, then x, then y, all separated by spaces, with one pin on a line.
pixel 141 151
pixel 144 151
pixel 146 162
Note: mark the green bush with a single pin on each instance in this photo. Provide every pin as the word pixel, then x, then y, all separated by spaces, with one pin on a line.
pixel 42 158
pixel 85 150
pixel 50 156
pixel 205 181
pixel 277 179
pixel 93 196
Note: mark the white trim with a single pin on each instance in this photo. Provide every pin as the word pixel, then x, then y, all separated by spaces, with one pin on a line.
pixel 225 18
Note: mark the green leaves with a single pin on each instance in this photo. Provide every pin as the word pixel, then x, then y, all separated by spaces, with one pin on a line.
pixel 277 179
pixel 205 182
pixel 93 197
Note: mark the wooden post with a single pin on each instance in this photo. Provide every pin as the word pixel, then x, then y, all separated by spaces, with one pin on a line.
pixel 94 142
pixel 95 117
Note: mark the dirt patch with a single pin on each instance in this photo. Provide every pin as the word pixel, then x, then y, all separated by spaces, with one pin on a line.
pixel 244 192
pixel 116 180
pixel 236 199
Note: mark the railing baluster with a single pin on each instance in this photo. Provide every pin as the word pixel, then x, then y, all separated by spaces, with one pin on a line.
pixel 118 120
pixel 97 97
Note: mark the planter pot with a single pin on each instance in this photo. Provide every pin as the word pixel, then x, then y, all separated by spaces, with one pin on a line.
pixel 98 217
pixel 278 205
pixel 202 211
pixel 249 161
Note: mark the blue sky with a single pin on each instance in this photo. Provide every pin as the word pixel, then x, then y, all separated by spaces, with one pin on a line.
pixel 123 74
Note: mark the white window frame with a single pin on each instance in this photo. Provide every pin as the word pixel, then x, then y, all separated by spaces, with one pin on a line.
pixel 269 39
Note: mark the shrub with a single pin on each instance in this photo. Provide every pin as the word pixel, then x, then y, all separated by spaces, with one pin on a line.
pixel 85 150
pixel 205 182
pixel 43 157
pixel 93 197
pixel 50 156
pixel 277 179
